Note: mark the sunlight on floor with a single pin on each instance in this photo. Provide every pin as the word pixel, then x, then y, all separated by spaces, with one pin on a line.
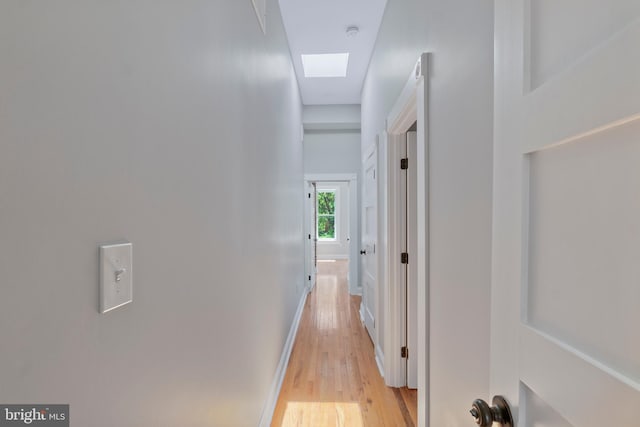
pixel 322 414
pixel 326 260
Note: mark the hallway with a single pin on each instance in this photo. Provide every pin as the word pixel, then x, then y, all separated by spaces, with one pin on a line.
pixel 332 378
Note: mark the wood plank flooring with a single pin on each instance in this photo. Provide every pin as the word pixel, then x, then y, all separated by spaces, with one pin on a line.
pixel 332 378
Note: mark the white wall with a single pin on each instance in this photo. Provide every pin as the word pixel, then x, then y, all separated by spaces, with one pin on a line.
pixel 339 248
pixel 331 117
pixel 460 35
pixel 336 152
pixel 160 123
pixel 332 152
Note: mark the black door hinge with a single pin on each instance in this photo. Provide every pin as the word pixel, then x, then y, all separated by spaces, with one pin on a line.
pixel 404 352
pixel 404 258
pixel 309 277
pixel 404 163
pixel 309 195
pixel 309 236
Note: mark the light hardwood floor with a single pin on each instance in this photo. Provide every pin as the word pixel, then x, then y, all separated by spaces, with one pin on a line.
pixel 332 378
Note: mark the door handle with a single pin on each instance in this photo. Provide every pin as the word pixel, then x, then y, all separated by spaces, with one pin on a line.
pixel 499 413
pixel 363 252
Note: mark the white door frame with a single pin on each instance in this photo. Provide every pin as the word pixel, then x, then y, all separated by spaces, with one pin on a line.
pixel 409 203
pixel 410 107
pixel 352 178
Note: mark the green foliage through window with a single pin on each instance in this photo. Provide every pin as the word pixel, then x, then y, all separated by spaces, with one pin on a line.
pixel 326 214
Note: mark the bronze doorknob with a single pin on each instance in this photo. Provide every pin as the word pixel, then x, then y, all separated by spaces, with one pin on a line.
pixel 485 415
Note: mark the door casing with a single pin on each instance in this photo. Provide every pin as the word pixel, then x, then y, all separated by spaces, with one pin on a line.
pixel 355 287
pixel 410 108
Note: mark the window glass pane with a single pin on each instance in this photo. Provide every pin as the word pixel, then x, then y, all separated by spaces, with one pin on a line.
pixel 327 203
pixel 327 227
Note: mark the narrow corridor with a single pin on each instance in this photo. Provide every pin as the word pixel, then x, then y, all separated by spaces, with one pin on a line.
pixel 332 378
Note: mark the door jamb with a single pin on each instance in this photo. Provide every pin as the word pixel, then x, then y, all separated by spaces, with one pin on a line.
pixel 410 107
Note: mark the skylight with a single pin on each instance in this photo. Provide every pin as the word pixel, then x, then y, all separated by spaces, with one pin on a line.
pixel 325 65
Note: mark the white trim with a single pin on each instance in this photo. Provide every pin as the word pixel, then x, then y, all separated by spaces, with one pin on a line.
pixel 423 244
pixel 380 360
pixel 276 385
pixel 410 107
pixel 327 257
pixel 320 177
pixel 332 126
pixel 403 113
pixel 410 240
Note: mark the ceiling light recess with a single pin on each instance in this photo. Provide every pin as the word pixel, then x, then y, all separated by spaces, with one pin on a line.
pixel 325 65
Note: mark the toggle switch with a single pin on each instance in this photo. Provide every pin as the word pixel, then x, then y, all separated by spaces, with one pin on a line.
pixel 116 280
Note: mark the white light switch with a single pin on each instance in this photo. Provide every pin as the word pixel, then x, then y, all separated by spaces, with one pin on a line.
pixel 116 268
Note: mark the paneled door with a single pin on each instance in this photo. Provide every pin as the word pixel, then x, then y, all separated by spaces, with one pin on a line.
pixel 311 258
pixel 369 239
pixel 566 229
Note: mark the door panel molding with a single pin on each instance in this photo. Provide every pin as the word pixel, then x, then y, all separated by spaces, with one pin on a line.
pixel 565 221
pixel 369 253
pixel 553 117
pixel 541 354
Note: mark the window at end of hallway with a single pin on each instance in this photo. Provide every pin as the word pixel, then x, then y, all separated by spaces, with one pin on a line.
pixel 326 229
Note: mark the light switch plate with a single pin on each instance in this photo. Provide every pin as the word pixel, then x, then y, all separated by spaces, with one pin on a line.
pixel 116 275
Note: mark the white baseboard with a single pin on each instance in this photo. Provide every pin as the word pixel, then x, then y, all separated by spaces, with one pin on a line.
pixel 356 291
pixel 274 391
pixel 378 350
pixel 380 360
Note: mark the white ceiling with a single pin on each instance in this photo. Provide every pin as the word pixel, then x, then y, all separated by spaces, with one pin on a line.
pixel 320 26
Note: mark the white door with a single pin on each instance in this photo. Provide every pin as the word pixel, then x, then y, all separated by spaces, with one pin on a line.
pixel 566 229
pixel 310 234
pixel 369 239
